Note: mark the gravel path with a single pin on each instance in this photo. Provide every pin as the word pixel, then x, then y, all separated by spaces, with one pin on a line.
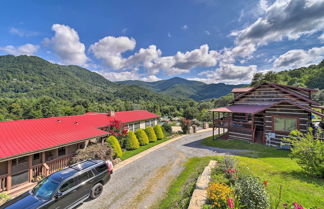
pixel 143 182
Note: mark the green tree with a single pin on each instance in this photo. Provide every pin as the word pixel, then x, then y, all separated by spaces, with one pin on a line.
pixel 113 142
pixel 131 142
pixel 158 132
pixel 142 137
pixel 151 134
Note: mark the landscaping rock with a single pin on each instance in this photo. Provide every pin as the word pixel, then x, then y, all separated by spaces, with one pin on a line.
pixel 203 180
pixel 198 199
pixel 212 164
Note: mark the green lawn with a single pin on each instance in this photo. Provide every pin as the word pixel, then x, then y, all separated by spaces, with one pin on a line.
pixel 267 163
pixel 277 168
pixel 180 190
pixel 131 153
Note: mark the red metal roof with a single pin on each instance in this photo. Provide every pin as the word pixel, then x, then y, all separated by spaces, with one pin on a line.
pixel 240 90
pixel 24 136
pixel 241 108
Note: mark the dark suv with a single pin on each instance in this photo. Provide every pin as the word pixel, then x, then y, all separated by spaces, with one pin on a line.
pixel 66 188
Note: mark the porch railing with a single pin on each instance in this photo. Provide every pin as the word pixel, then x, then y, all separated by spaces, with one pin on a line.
pixel 37 170
pixel 3 182
pixel 58 164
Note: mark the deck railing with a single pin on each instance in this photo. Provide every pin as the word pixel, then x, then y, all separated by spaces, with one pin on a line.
pixel 58 164
pixel 3 182
pixel 38 170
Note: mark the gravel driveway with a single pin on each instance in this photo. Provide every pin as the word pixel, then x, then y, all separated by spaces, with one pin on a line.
pixel 143 182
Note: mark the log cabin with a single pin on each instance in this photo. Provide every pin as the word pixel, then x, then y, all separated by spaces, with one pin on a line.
pixel 38 147
pixel 266 113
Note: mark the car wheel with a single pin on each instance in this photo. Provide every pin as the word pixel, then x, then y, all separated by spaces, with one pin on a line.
pixel 96 191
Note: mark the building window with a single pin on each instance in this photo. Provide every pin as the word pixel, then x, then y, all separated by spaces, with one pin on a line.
pixel 282 124
pixel 61 151
pixel 136 126
pixel 20 160
pixel 36 156
pixel 147 123
pixel 130 127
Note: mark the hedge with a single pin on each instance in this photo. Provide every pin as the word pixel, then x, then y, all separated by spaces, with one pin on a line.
pixel 151 134
pixel 131 142
pixel 158 132
pixel 142 137
pixel 113 142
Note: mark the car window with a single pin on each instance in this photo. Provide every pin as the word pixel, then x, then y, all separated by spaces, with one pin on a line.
pixel 45 189
pixel 68 185
pixel 85 176
pixel 101 168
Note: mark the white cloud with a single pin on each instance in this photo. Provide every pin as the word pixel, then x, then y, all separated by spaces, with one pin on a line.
pixel 26 49
pixel 283 19
pixel 207 32
pixel 66 44
pixel 169 35
pixel 299 58
pixel 22 33
pixel 321 38
pixel 110 50
pixel 263 4
pixel 228 73
pixel 128 75
pixel 185 27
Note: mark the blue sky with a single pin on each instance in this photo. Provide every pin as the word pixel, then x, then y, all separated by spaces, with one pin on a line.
pixel 207 40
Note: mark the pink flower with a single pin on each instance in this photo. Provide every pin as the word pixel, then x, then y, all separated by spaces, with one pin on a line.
pixel 230 203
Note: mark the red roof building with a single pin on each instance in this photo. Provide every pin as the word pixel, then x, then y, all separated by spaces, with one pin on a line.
pixel 40 141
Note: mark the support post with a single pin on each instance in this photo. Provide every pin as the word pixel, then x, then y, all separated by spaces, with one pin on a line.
pixel 43 159
pixel 252 127
pixel 9 177
pixel 213 125
pixel 30 168
pixel 218 117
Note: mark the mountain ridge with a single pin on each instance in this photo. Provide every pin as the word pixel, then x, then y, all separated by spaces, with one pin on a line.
pixel 183 88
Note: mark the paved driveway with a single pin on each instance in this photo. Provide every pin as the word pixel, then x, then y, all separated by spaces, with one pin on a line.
pixel 143 182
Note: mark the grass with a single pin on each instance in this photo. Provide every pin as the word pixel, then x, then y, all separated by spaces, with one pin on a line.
pixel 131 153
pixel 277 168
pixel 180 190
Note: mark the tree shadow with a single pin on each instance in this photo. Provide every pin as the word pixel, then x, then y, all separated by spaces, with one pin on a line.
pixel 302 176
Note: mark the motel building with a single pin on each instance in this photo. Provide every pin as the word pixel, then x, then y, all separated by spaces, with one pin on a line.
pixel 38 147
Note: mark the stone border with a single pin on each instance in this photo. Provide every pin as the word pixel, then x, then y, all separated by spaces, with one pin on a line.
pixel 199 195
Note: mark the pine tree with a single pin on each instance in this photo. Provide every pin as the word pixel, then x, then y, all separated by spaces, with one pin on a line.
pixel 142 137
pixel 151 134
pixel 158 132
pixel 113 142
pixel 131 142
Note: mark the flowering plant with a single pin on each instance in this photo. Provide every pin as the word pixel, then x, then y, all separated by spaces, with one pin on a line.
pixel 219 195
pixel 117 128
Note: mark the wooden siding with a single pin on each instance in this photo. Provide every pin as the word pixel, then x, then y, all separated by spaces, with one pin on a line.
pixel 266 95
pixel 285 110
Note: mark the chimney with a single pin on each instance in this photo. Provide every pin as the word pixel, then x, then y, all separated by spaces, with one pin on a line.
pixel 111 113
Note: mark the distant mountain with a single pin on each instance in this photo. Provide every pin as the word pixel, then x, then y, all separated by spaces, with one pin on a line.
pixel 182 88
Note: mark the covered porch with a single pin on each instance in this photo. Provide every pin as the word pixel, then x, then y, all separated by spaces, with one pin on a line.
pixel 239 122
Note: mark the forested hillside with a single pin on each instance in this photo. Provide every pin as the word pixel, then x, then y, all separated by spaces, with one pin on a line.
pixel 308 77
pixel 182 88
pixel 31 87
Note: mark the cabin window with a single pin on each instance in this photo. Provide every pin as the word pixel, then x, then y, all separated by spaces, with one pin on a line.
pixel 19 161
pixel 282 124
pixel 36 156
pixel 61 151
pixel 147 123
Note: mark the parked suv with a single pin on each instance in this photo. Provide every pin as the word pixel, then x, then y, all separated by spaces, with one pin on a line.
pixel 66 188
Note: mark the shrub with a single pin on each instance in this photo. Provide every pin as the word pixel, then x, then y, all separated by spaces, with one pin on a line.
pixel 252 193
pixel 150 134
pixel 142 137
pixel 4 198
pixel 117 128
pixel 158 132
pixel 218 194
pixel 308 149
pixel 167 129
pixel 113 142
pixel 96 151
pixel 131 142
pixel 185 125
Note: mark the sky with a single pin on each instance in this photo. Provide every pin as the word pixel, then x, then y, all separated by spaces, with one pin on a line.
pixel 213 41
